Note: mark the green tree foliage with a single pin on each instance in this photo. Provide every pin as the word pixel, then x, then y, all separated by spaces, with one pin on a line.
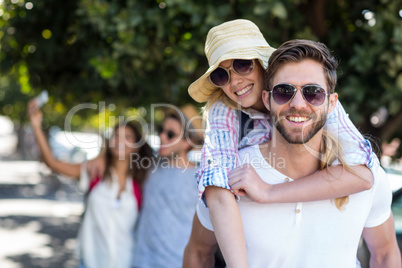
pixel 137 52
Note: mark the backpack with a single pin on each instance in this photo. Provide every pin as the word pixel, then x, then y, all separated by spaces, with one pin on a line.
pixel 136 186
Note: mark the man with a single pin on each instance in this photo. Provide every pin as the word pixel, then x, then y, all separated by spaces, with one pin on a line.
pixel 169 194
pixel 301 82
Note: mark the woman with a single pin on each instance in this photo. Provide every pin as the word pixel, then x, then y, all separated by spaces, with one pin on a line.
pixel 106 234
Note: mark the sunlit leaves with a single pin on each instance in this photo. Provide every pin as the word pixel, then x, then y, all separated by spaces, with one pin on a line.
pixel 105 66
pixel 47 34
pixel 23 78
pixel 134 52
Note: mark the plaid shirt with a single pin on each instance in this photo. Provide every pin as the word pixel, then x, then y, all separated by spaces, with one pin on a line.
pixel 220 150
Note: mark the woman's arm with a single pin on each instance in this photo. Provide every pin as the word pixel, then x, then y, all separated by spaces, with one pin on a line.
pixel 226 220
pixel 220 149
pixel 219 156
pixel 356 150
pixel 332 182
pixel 35 116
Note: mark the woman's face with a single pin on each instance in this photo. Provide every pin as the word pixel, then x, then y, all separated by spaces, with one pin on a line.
pixel 245 90
pixel 122 143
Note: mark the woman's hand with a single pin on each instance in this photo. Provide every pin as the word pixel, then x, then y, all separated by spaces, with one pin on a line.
pixel 34 113
pixel 245 180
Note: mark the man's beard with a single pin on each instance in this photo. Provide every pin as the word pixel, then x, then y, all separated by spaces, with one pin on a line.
pixel 315 123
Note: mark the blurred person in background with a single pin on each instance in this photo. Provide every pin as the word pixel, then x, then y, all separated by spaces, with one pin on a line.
pixel 106 235
pixel 170 192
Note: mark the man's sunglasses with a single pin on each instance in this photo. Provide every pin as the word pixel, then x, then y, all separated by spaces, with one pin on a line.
pixel 313 94
pixel 220 77
pixel 169 133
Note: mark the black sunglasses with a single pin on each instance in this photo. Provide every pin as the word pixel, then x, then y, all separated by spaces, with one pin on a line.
pixel 313 94
pixel 220 77
pixel 169 133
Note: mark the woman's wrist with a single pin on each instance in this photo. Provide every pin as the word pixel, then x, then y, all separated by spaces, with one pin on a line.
pixel 267 193
pixel 36 125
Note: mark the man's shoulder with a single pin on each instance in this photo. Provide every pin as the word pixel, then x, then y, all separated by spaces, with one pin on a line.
pixel 380 179
pixel 188 170
pixel 172 170
pixel 253 156
pixel 246 153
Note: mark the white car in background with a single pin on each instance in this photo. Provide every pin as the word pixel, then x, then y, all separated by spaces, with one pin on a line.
pixel 74 147
pixel 8 138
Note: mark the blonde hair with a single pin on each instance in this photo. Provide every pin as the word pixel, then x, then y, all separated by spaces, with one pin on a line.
pixel 219 95
pixel 330 151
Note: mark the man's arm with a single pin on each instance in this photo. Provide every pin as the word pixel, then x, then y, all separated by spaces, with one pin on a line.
pixel 382 244
pixel 199 252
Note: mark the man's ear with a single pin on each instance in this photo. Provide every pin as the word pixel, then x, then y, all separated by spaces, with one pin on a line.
pixel 333 99
pixel 265 99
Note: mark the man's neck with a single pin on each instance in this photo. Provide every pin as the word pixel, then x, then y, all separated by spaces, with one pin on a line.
pixel 178 161
pixel 293 160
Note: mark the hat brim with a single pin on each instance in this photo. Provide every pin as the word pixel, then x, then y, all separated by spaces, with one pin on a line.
pixel 202 88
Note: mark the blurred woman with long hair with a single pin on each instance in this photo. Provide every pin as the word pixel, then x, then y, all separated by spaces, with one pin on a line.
pixel 105 237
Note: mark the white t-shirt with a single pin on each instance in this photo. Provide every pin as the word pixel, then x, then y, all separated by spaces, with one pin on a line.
pixel 306 234
pixel 106 237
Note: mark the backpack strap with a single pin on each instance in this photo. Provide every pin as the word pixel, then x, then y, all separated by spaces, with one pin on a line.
pixel 245 124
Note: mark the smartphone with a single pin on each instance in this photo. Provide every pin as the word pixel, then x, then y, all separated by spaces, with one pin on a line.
pixel 42 98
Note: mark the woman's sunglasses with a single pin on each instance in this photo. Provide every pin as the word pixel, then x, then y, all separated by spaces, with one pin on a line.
pixel 313 94
pixel 169 133
pixel 220 77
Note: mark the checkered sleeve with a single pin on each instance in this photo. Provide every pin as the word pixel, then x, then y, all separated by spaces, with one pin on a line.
pixel 356 149
pixel 220 150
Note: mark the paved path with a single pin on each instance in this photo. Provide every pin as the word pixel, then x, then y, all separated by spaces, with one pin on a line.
pixel 39 217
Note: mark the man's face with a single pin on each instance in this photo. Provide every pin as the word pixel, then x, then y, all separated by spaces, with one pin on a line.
pixel 298 121
pixel 172 140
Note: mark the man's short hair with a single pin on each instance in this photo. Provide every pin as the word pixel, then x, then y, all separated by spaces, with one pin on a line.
pixel 297 51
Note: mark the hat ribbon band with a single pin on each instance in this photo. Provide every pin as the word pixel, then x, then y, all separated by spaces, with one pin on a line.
pixel 234 45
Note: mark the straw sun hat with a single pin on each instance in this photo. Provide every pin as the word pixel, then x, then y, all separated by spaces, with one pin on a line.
pixel 236 39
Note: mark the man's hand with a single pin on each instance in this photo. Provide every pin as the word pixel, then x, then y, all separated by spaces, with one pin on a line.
pixel 245 180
